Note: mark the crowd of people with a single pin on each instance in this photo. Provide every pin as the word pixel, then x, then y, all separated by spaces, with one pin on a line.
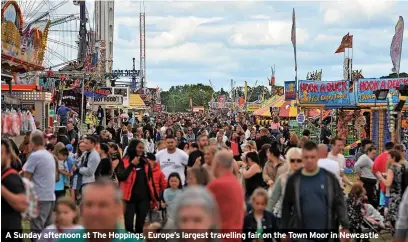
pixel 199 172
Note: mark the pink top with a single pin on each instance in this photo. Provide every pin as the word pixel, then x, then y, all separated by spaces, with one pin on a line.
pixel 275 125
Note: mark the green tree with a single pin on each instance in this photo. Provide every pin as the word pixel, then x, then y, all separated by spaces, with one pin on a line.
pixel 395 75
pixel 177 98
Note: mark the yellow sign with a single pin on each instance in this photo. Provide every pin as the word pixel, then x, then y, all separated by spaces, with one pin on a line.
pixel 135 101
pixel 253 107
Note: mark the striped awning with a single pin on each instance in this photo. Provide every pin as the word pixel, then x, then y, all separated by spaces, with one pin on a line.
pixel 275 101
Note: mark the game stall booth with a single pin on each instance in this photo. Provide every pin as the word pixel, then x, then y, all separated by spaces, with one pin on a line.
pixel 345 118
pixel 379 98
pixel 22 54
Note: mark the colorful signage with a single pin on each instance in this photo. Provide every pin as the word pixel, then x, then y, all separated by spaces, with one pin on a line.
pixel 108 100
pixel 328 93
pixel 366 87
pixel 252 107
pixel 290 90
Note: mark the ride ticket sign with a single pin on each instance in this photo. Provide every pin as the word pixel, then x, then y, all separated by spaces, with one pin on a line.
pixel 366 87
pixel 327 93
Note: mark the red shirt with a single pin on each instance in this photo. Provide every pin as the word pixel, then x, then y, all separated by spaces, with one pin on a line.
pixel 380 164
pixel 229 195
pixel 235 148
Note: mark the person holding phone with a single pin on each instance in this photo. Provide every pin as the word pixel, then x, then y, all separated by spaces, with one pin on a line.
pixel 136 182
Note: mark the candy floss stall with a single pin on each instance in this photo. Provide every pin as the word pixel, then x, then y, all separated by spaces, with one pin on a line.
pixel 22 55
pixel 346 120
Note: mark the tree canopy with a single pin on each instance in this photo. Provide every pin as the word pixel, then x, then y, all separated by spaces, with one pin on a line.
pixel 177 98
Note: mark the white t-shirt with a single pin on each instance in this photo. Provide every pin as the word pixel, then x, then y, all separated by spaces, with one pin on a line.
pixel 331 166
pixel 340 160
pixel 175 162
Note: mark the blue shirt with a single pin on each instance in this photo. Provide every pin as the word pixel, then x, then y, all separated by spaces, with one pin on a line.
pixel 63 111
pixel 313 201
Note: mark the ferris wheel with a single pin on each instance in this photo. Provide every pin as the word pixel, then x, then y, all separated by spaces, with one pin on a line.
pixel 60 21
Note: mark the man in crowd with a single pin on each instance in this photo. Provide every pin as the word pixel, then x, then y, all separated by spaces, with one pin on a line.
pixel 72 136
pixel 313 199
pixel 325 134
pixel 365 143
pixel 40 169
pixel 89 162
pixel 102 209
pixel 190 136
pixel 197 156
pixel 172 159
pixel 335 154
pixel 228 193
pixel 62 113
pixel 326 163
pixel 122 137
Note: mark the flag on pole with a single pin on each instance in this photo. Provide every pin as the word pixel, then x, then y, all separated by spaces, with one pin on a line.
pixel 293 38
pixel 346 42
pixel 246 91
pixel 396 45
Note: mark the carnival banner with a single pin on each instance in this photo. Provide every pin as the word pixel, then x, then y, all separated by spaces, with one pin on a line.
pixel 290 90
pixel 366 87
pixel 328 93
pixel 252 107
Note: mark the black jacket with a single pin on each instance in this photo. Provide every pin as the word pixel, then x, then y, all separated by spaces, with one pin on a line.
pixel 291 208
pixel 269 225
pixel 261 141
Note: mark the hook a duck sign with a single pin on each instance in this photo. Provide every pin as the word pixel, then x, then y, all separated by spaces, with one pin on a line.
pixel 328 93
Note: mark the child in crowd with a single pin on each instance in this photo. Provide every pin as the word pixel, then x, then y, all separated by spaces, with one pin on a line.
pixel 258 219
pixel 64 174
pixel 169 195
pixel 69 163
pixel 66 219
pixel 160 185
pixel 372 215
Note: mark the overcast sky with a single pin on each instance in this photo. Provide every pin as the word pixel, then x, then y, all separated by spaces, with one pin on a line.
pixel 194 41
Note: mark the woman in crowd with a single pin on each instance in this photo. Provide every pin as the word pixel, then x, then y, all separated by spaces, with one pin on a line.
pixel 184 147
pixel 209 154
pixel 198 176
pixel 105 165
pixel 393 180
pixel 270 172
pixel 194 210
pixel 148 142
pixel 294 161
pixel 363 169
pixel 252 174
pixel 293 142
pixel 180 137
pixel 136 182
pixel 355 202
pixel 263 154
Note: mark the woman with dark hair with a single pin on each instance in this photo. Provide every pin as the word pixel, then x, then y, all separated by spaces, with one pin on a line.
pixel 105 165
pixel 252 173
pixel 263 154
pixel 354 206
pixel 270 172
pixel 148 142
pixel 180 137
pixel 169 132
pixel 184 147
pixel 393 181
pixel 136 182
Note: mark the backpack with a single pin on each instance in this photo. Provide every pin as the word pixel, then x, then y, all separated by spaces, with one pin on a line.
pixel 31 195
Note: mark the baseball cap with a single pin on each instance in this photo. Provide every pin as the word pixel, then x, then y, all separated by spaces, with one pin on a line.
pixel 69 147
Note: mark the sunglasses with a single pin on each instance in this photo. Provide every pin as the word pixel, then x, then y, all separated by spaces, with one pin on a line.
pixel 295 160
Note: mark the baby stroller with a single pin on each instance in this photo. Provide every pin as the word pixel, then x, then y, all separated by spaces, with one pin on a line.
pixel 374 222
